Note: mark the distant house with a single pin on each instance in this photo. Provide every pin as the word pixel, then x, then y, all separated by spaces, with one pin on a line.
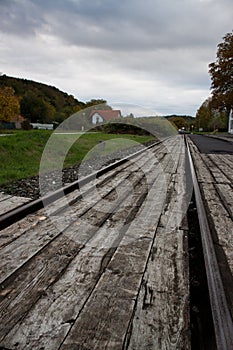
pixel 14 123
pixel 101 116
pixel 18 120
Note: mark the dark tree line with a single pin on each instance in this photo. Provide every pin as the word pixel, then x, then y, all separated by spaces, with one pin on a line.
pixel 43 103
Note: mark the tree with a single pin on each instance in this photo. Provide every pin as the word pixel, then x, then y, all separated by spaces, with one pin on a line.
pixel 209 118
pixel 9 104
pixel 96 102
pixel 36 109
pixel 203 116
pixel 63 103
pixel 219 121
pixel 178 121
pixel 221 73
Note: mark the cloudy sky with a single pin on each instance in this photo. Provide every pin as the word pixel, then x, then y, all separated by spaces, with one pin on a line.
pixel 152 53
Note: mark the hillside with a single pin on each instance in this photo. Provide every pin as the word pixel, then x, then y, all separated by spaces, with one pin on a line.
pixel 43 103
pixel 182 121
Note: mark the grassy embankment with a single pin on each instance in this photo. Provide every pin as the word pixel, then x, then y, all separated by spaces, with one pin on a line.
pixel 20 154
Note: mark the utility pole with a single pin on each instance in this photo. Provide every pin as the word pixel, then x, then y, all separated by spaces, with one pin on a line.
pixel 230 122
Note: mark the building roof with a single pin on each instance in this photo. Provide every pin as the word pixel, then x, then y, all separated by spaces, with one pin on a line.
pixel 107 114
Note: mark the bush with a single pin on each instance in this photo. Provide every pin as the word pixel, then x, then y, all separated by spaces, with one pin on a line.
pixel 26 125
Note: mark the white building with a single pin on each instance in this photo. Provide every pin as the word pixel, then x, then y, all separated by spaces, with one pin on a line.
pixel 230 122
pixel 41 126
pixel 101 116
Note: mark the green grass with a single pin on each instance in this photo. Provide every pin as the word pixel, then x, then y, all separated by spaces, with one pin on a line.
pixel 20 153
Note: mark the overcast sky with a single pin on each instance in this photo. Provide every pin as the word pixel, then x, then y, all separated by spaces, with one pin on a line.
pixel 152 53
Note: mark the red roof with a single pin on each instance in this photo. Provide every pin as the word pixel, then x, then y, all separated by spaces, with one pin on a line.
pixel 107 114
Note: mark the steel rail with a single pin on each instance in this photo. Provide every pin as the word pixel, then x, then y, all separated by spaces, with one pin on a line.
pixel 222 320
pixel 20 212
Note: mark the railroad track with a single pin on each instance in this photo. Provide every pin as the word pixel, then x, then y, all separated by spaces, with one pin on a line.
pixel 18 213
pixel 81 270
pixel 212 182
pixel 105 266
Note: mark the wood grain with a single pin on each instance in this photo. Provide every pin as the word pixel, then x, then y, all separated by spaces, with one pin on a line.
pixel 80 287
pixel 11 202
pixel 218 198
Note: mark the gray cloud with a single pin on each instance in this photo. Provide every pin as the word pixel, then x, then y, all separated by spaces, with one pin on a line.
pixel 19 18
pixel 139 25
pixel 129 24
pixel 117 48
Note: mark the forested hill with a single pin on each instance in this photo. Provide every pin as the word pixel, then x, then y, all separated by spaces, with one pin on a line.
pixel 43 103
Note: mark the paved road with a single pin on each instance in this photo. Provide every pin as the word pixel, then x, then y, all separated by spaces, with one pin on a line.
pixel 212 145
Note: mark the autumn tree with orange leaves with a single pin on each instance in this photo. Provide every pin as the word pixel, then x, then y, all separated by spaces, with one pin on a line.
pixel 9 104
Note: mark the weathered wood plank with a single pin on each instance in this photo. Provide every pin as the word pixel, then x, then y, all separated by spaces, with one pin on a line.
pixel 75 199
pixel 225 163
pixel 222 233
pixel 12 203
pixel 33 278
pixel 50 320
pixel 225 192
pixel 112 179
pixel 19 293
pixel 161 318
pixel 84 287
pixel 225 159
pixel 221 222
pixel 27 243
pixel 202 172
pixel 17 229
pixel 96 276
pixel 104 320
pixel 213 167
pixel 106 304
pixel 19 251
pixel 218 199
pixel 4 196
